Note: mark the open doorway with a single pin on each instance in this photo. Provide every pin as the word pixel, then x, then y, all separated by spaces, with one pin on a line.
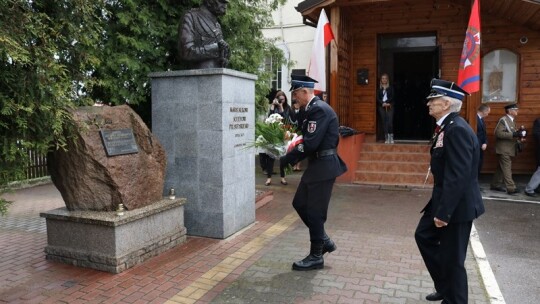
pixel 411 61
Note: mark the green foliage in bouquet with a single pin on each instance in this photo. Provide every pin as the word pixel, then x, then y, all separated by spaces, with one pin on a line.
pixel 272 135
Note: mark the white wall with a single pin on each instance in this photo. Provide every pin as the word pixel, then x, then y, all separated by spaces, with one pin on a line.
pixel 293 37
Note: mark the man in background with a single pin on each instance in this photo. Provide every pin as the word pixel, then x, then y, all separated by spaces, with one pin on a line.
pixel 534 182
pixel 506 139
pixel 481 132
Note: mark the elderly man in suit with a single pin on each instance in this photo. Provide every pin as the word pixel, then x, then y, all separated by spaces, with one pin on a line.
pixel 443 232
pixel 481 132
pixel 320 131
pixel 506 138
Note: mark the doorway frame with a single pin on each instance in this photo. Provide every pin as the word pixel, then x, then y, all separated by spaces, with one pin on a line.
pixel 385 63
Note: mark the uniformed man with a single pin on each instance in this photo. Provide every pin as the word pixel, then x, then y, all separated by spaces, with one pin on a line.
pixel 507 137
pixel 320 131
pixel 443 232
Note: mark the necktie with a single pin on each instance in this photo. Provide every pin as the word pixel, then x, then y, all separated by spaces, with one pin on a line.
pixel 437 129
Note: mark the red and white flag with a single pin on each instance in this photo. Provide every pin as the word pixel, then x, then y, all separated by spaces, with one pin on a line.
pixel 317 62
pixel 469 66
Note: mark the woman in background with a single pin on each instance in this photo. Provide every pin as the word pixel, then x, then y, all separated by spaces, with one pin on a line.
pixel 279 106
pixel 385 107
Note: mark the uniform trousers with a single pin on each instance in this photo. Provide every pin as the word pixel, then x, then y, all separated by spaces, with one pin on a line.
pixel 444 251
pixel 311 203
pixel 504 173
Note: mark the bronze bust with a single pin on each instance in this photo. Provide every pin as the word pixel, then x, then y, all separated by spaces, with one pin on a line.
pixel 201 39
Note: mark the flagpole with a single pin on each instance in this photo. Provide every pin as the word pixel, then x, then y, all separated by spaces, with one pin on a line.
pixel 335 19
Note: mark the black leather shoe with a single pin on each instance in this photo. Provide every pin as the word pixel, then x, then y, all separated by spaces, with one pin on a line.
pixel 309 263
pixel 434 297
pixel 512 192
pixel 314 260
pixel 329 246
pixel 532 194
pixel 500 189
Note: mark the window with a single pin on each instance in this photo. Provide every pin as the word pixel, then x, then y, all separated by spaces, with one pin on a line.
pixel 499 76
pixel 272 66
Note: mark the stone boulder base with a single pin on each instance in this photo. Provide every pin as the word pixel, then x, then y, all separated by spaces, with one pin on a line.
pixel 88 179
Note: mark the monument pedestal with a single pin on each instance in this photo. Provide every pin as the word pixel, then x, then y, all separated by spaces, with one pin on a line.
pixel 205 119
pixel 109 242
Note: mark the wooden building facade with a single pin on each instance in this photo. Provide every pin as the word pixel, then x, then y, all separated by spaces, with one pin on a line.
pixel 417 40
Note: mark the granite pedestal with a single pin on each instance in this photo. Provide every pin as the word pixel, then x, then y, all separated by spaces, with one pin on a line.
pixel 108 242
pixel 205 120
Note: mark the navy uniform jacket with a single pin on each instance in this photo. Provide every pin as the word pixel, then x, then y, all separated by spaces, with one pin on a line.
pixel 454 163
pixel 320 131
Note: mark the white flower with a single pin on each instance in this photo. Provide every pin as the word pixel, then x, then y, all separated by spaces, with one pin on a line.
pixel 260 140
pixel 273 118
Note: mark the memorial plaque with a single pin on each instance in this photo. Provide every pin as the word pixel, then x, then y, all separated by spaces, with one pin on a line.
pixel 119 142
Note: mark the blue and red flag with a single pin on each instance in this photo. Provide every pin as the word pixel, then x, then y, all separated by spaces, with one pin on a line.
pixel 469 66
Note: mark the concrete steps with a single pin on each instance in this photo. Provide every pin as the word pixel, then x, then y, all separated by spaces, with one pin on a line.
pixel 400 164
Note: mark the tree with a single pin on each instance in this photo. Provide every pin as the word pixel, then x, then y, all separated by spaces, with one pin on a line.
pixel 141 37
pixel 45 53
pixel 59 54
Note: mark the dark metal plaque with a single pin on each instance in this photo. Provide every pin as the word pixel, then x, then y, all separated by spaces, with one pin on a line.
pixel 119 142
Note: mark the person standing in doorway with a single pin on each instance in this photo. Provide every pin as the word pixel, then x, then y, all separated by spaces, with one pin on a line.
pixel 506 139
pixel 481 133
pixel 442 234
pixel 385 107
pixel 320 139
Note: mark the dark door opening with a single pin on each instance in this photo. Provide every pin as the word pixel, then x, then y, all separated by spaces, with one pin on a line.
pixel 412 76
pixel 411 62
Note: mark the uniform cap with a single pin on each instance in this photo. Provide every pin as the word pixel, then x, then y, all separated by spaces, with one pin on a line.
pixel 440 88
pixel 513 106
pixel 302 81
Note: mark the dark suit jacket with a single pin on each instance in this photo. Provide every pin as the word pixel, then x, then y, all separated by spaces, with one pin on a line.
pixel 320 131
pixel 454 163
pixel 481 132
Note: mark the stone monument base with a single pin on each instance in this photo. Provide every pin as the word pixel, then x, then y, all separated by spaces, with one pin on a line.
pixel 109 242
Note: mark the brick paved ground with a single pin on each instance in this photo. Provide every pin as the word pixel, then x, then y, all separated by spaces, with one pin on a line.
pixel 376 262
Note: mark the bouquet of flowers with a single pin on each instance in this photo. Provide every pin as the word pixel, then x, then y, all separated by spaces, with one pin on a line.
pixel 273 136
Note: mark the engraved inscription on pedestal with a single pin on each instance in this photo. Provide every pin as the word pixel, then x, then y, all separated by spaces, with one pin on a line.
pixel 238 124
pixel 119 142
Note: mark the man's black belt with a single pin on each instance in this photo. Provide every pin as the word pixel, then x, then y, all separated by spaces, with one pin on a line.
pixel 322 153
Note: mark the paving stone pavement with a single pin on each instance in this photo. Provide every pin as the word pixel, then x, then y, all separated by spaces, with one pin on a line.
pixel 376 261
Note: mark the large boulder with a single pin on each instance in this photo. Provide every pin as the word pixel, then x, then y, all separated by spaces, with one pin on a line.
pixel 89 179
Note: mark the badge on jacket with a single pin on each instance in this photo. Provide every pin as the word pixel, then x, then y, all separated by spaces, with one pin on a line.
pixel 312 126
pixel 439 143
